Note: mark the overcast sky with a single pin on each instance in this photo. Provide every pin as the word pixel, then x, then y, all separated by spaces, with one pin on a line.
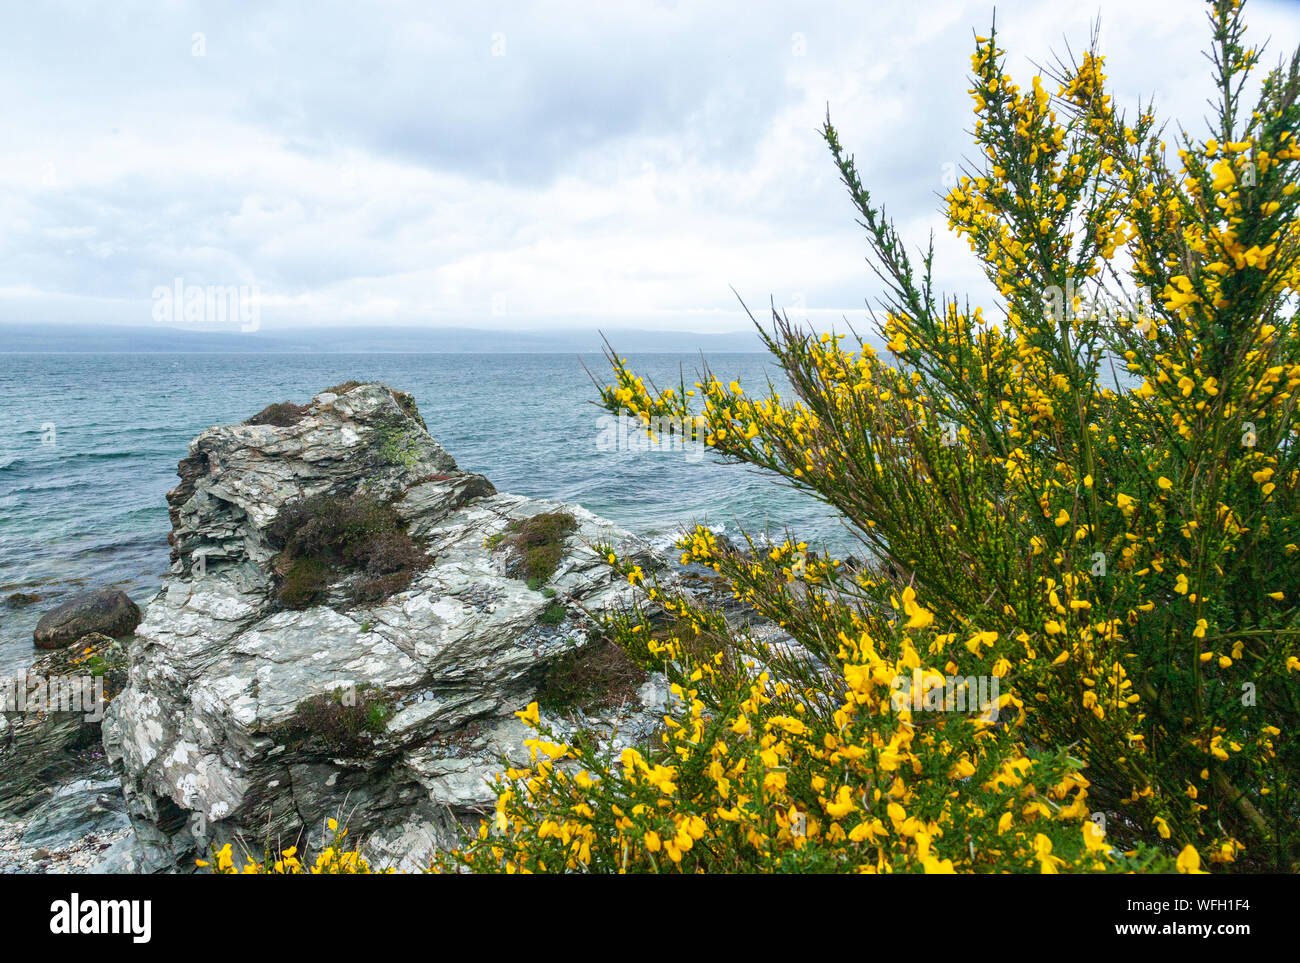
pixel 497 165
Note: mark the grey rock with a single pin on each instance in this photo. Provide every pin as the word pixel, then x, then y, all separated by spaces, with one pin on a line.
pixel 654 693
pixel 73 812
pixel 107 611
pixel 119 857
pixel 60 804
pixel 34 754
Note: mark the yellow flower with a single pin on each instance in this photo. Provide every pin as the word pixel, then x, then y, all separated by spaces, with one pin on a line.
pixel 530 716
pixel 920 617
pixel 843 804
pixel 1224 176
pixel 934 866
pixel 1047 863
pixel 1094 839
pixel 1189 861
pixel 868 831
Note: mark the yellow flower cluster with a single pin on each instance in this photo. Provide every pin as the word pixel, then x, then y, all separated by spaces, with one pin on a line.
pixel 334 859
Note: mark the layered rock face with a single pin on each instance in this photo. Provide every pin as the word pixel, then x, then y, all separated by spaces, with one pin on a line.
pixel 248 718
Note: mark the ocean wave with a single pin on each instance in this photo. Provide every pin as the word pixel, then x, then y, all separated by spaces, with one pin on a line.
pixel 70 460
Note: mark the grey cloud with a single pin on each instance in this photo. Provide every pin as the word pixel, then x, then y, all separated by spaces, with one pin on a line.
pixel 358 159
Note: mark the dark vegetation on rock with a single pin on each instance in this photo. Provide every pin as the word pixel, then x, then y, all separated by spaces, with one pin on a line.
pixel 536 545
pixel 553 614
pixel 597 676
pixel 283 414
pixel 343 722
pixel 326 537
pixel 406 402
pixel 20 600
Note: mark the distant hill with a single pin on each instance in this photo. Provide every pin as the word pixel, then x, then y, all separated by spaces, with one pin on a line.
pixel 115 339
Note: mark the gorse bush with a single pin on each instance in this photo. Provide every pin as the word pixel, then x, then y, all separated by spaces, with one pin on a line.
pixel 1078 648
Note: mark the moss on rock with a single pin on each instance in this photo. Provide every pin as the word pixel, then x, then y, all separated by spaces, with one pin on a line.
pixel 537 545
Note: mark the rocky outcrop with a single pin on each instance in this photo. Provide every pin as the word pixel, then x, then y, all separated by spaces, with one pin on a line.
pixel 107 611
pixel 253 714
pixel 50 715
pixel 61 807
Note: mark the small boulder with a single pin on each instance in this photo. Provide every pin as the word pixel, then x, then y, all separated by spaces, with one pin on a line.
pixel 108 611
pixel 20 600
